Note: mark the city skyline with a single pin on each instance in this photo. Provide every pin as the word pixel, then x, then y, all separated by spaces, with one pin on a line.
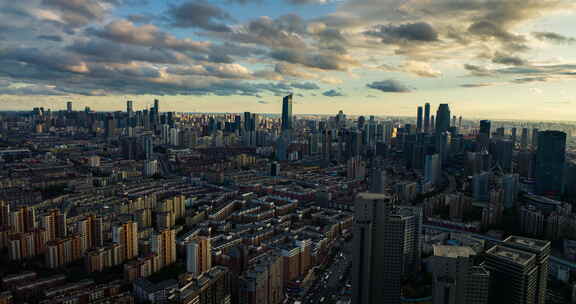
pixel 512 59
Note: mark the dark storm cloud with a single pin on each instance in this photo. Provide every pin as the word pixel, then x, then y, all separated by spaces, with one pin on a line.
pixel 390 85
pixel 199 14
pixel 554 37
pixel 420 32
pixel 508 60
pixel 333 93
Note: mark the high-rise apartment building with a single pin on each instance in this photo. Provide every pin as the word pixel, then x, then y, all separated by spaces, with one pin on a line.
pixel 387 246
pixel 126 235
pixel 163 244
pixel 550 161
pixel 199 256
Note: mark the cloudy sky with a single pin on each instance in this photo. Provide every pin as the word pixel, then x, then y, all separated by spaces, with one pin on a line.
pixel 487 58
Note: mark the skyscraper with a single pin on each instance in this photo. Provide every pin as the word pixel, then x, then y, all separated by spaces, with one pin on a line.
pixel 456 279
pixel 443 118
pixel 386 246
pixel 287 113
pixel 550 159
pixel 433 169
pixel 419 120
pixel 541 249
pixel 519 270
pixel 69 107
pixel 432 122
pixel 524 139
pixel 484 135
pixel 426 117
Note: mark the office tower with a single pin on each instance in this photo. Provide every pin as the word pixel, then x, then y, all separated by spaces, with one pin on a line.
pixel 456 279
pixel 110 128
pixel 481 187
pixel 443 118
pixel 511 186
pixel 377 180
pixel 443 142
pixel 541 249
pixel 485 127
pixel 550 160
pixel 126 235
pixel 129 108
pixel 460 122
pixel 287 113
pixel 69 107
pixel 386 246
pixel 513 136
pixel 163 244
pixel 131 122
pixel 433 169
pixel 199 256
pixel 526 164
pixel 503 151
pixel 426 117
pixel 147 147
pixel 534 138
pixel 432 122
pixel 518 268
pixel 419 120
pixel 361 122
pixel 524 139
pixel 453 121
pixel 569 190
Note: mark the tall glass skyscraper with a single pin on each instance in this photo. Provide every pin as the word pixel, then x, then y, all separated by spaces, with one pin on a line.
pixel 287 113
pixel 443 118
pixel 426 117
pixel 419 120
pixel 550 160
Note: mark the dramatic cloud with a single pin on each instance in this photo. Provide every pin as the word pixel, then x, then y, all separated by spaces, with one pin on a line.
pixel 123 31
pixel 333 93
pixel 421 32
pixel 508 60
pixel 389 85
pixel 78 12
pixel 199 14
pixel 553 37
pixel 318 61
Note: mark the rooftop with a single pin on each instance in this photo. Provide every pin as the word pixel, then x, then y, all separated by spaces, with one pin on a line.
pixel 532 244
pixel 453 251
pixel 373 196
pixel 515 256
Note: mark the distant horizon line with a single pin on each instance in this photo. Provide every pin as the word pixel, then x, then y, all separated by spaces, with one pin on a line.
pixel 312 114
